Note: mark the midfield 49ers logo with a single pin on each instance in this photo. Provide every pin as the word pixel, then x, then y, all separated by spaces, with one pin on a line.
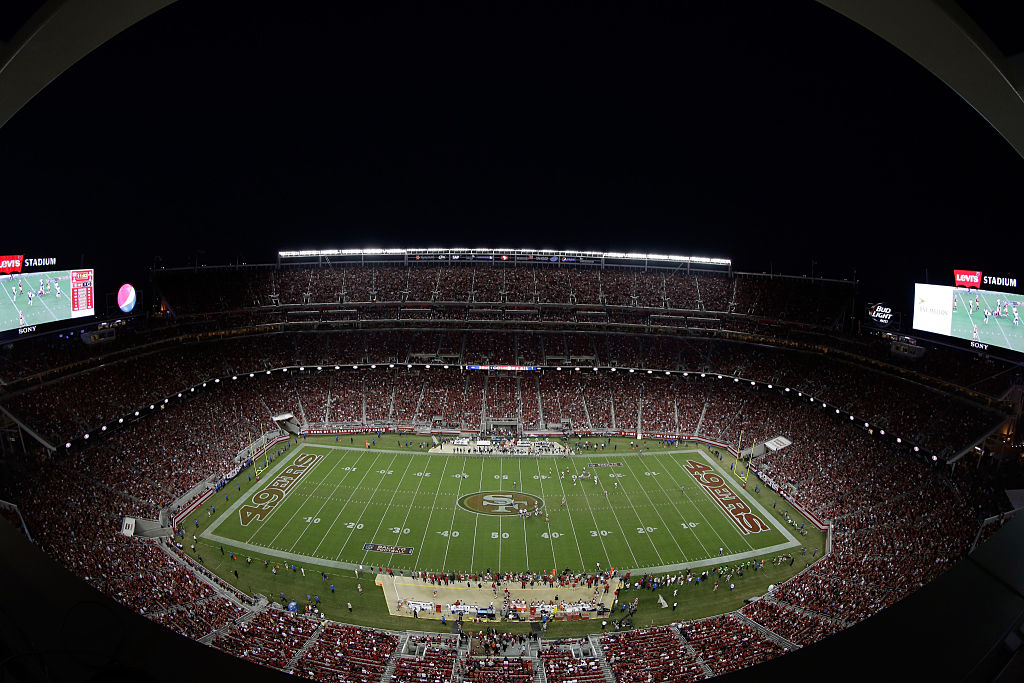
pixel 11 264
pixel 499 502
pixel 745 520
pixel 267 500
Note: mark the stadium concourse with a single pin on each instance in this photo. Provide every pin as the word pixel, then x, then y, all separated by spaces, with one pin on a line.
pixel 176 406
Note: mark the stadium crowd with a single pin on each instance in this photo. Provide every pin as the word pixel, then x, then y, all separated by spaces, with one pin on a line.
pixel 897 522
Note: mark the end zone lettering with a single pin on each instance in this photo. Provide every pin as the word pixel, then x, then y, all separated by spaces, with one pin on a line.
pixel 393 549
pixel 267 499
pixel 745 520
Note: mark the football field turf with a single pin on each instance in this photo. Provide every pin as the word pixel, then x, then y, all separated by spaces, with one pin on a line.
pixel 44 309
pixel 333 505
pixel 998 331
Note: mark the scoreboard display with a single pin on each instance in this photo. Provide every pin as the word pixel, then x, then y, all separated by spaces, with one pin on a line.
pixel 982 318
pixel 32 299
pixel 82 293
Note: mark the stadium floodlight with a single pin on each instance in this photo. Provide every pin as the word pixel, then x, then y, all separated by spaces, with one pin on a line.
pixel 136 413
pixel 559 367
pixel 866 425
pixel 595 368
pixel 302 368
pixel 151 406
pixel 667 372
pixel 769 386
pixel 753 383
pixel 934 458
pixel 577 369
pixel 204 384
pixel 282 369
pixel 250 374
pixel 409 366
pixel 179 394
pixel 837 411
pixel 391 365
pixel 719 377
pixel 67 445
pixel 882 432
pixel 319 367
pixel 632 370
pixel 355 367
pixel 427 367
pixel 233 377
pixel 446 367
pixel 268 372
pixel 613 369
pixel 103 428
pixel 916 449
pixel 86 436
pixel 703 374
pixel 787 390
pixel 734 379
pixel 899 440
pixel 851 418
pixel 120 420
pixel 650 371
pixel 217 381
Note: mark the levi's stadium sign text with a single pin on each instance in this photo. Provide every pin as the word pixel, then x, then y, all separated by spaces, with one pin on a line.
pixel 967 278
pixel 974 278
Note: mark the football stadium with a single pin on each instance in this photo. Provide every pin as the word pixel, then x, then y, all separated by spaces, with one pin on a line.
pixel 616 342
pixel 419 463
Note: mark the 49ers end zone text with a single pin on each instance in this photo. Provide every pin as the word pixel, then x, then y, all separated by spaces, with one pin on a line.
pixel 267 499
pixel 735 509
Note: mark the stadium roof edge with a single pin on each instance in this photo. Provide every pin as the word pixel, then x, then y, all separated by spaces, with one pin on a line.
pixel 505 254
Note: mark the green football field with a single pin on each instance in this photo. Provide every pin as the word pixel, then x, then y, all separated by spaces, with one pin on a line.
pixel 333 505
pixel 43 309
pixel 999 330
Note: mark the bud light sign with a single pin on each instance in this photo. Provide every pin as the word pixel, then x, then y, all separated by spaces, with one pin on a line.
pixel 880 314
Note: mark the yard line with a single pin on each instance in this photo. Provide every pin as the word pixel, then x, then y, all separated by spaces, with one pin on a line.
pixel 335 490
pixel 619 522
pixel 697 506
pixel 455 507
pixel 426 529
pixel 413 499
pixel 500 472
pixel 574 536
pixel 526 542
pixel 693 504
pixel 476 518
pixel 394 492
pixel 667 529
pixel 370 500
pixel 637 513
pixel 327 533
pixel 607 558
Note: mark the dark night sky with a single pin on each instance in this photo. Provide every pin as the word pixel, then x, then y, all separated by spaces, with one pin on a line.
pixel 772 133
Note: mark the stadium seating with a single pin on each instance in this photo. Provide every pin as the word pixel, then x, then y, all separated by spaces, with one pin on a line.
pixel 347 653
pixel 652 654
pixel 898 522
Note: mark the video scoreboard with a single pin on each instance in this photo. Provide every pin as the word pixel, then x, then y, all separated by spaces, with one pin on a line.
pixel 33 298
